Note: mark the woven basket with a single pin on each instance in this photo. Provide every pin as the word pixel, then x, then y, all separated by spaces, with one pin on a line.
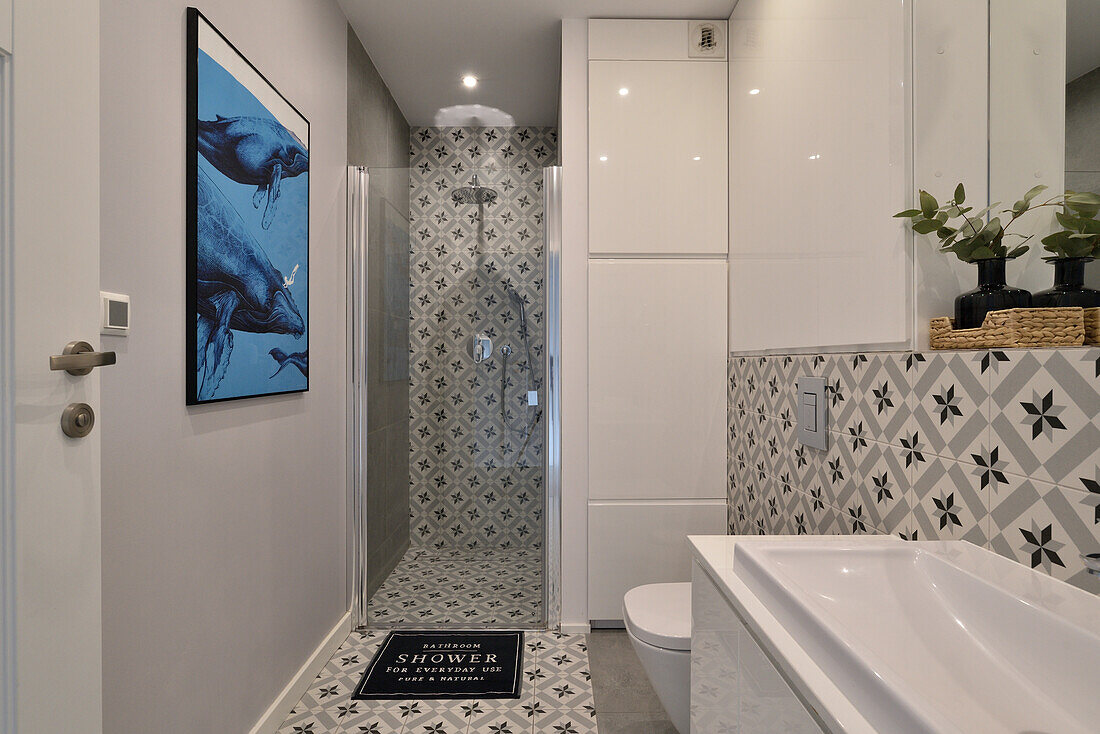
pixel 1016 327
pixel 1092 326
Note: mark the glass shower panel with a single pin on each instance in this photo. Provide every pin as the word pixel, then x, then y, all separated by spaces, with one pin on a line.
pixel 475 492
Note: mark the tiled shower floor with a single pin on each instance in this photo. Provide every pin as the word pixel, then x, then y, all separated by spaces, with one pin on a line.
pixel 462 588
pixel 556 696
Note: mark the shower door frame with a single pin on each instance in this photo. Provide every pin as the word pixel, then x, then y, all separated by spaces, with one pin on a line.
pixel 358 182
pixel 358 207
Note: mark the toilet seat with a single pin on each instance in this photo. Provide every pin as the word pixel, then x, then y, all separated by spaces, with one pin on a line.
pixel 660 615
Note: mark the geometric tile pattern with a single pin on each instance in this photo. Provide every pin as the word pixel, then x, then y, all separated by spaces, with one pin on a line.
pixel 556 696
pixel 997 447
pixel 476 479
pixel 463 589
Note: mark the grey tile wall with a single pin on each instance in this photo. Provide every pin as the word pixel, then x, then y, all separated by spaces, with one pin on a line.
pixel 473 481
pixel 378 138
pixel 1001 448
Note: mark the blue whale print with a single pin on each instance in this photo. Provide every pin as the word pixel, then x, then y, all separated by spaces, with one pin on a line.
pixel 254 151
pixel 298 359
pixel 237 287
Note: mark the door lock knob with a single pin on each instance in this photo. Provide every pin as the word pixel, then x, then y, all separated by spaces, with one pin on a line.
pixel 77 420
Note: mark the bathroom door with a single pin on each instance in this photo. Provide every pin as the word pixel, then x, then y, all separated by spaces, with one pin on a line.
pixel 50 610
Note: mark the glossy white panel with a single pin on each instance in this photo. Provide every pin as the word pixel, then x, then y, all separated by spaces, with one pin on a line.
pixel 573 139
pixel 1027 118
pixel 950 72
pixel 635 543
pixel 734 686
pixel 818 163
pixel 657 378
pixel 646 40
pixel 657 157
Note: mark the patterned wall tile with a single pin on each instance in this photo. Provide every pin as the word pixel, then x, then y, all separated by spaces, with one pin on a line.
pixel 950 403
pixel 1045 406
pixel 948 502
pixel 1000 448
pixel 476 476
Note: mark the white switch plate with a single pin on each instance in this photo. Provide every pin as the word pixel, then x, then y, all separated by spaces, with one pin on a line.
pixel 114 314
pixel 813 413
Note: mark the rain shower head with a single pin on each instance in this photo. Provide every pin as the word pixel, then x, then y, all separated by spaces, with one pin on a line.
pixel 475 193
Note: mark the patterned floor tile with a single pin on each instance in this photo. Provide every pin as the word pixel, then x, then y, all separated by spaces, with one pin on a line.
pixel 463 589
pixel 556 692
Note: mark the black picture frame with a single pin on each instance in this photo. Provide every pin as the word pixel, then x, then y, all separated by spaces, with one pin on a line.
pixel 194 20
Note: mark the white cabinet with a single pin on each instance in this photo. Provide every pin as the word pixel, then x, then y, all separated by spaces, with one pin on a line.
pixel 734 685
pixel 658 157
pixel 636 543
pixel 657 379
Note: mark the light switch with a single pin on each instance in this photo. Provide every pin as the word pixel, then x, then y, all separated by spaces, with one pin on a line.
pixel 813 423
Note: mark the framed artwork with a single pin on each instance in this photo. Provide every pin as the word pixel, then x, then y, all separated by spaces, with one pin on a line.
pixel 247 227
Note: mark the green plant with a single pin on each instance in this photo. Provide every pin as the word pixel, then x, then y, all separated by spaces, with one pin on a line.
pixel 1080 233
pixel 973 239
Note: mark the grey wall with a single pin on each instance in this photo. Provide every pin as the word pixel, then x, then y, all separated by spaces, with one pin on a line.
pixel 223 525
pixel 378 137
pixel 473 483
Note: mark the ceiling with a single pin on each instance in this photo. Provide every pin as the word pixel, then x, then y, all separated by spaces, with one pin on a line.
pixel 422 48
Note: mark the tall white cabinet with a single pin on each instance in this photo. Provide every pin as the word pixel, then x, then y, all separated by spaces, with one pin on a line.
pixel 658 302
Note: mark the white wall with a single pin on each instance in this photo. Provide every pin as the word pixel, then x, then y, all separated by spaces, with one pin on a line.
pixel 818 164
pixel 573 151
pixel 223 525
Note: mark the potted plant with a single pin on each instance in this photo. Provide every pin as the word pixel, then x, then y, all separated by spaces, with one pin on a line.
pixel 1077 243
pixel 965 233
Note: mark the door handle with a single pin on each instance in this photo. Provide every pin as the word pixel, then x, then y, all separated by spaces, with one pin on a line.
pixel 79 358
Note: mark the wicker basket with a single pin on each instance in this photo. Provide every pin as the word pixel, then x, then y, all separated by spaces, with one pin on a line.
pixel 1092 326
pixel 1017 327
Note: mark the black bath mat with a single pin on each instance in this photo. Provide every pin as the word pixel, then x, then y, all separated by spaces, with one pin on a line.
pixel 444 665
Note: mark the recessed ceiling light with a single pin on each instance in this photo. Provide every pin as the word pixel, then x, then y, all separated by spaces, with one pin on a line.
pixel 603 158
pixel 623 91
pixel 815 156
pixel 754 91
pixel 469 80
pixel 697 158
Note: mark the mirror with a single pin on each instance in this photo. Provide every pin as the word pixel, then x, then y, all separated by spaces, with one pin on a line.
pixel 1083 95
pixel 1044 112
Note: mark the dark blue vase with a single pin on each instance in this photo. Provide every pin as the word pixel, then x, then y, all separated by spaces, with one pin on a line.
pixel 1069 286
pixel 992 294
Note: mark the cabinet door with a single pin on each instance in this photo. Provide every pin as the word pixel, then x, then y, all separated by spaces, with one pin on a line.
pixel 636 543
pixel 658 157
pixel 657 379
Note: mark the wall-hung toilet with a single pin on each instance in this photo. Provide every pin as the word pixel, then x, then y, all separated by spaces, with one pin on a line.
pixel 658 621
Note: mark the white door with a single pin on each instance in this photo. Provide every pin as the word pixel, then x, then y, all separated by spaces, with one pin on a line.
pixel 50 286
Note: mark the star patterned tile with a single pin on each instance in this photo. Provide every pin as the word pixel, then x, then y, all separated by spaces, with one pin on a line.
pixel 556 701
pixel 460 588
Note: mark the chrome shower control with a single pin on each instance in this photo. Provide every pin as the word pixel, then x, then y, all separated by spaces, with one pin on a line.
pixel 480 348
pixel 1092 563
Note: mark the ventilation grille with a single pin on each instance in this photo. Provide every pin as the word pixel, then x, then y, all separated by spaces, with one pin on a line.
pixel 706 41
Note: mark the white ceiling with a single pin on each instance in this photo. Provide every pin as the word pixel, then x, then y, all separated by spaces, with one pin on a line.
pixel 423 47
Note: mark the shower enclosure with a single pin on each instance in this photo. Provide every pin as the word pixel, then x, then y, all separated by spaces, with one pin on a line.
pixel 470 539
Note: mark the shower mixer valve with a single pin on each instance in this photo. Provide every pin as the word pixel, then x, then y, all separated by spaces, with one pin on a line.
pixel 480 348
